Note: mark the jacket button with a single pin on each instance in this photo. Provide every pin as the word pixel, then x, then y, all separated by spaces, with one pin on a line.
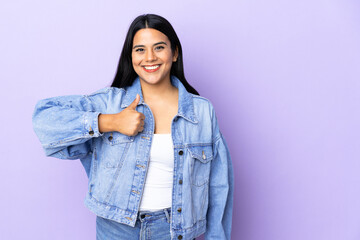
pixel 180 237
pixel 91 132
pixel 110 138
pixel 179 209
pixel 180 181
pixel 181 152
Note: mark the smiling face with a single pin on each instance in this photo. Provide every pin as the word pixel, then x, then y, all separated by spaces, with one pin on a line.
pixel 152 57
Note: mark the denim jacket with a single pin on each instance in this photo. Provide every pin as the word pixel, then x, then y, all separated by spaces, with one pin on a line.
pixel 116 164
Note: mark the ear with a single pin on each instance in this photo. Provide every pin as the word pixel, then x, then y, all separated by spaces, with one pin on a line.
pixel 176 54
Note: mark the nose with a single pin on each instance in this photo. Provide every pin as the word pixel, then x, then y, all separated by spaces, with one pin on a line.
pixel 150 56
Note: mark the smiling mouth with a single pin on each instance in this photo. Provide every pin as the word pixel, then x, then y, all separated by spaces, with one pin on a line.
pixel 152 68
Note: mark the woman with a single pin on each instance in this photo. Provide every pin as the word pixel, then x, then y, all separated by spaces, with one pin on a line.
pixel 157 163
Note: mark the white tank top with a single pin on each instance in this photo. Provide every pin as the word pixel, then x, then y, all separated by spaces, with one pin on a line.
pixel 157 193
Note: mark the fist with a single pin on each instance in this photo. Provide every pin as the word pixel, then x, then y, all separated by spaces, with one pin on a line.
pixel 129 121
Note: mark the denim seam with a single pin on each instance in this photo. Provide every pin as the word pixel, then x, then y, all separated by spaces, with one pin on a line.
pixel 81 136
pixel 109 205
pixel 116 175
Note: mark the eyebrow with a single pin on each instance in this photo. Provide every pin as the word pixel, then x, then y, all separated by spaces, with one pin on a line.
pixel 136 46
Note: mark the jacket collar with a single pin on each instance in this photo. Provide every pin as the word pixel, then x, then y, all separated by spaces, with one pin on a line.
pixel 185 103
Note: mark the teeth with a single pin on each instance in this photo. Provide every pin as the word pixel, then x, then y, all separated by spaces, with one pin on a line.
pixel 152 67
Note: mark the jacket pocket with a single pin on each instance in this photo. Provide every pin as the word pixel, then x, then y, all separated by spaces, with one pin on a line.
pixel 113 138
pixel 201 156
pixel 114 149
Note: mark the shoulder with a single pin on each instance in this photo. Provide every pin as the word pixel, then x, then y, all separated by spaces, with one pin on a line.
pixel 105 97
pixel 202 103
pixel 106 94
pixel 205 112
pixel 107 91
pixel 201 100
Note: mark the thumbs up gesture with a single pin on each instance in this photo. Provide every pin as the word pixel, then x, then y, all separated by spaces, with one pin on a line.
pixel 129 121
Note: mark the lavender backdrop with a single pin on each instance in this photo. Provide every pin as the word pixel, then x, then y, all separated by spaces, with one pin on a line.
pixel 283 77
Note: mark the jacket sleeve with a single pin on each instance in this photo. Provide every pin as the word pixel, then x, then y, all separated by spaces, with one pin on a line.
pixel 221 189
pixel 65 125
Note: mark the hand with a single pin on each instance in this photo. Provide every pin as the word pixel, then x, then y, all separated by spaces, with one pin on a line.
pixel 129 121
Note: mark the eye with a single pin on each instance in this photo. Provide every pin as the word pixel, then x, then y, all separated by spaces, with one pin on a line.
pixel 139 50
pixel 159 47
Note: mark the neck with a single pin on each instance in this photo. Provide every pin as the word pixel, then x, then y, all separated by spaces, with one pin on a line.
pixel 160 90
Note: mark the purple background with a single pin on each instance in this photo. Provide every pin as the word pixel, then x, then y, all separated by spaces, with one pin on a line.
pixel 283 76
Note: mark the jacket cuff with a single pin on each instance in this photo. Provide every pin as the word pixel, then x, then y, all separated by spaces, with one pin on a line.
pixel 92 124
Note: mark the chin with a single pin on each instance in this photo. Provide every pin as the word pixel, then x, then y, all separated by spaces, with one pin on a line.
pixel 151 79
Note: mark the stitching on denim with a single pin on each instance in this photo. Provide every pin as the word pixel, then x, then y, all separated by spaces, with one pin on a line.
pixel 62 153
pixel 217 138
pixel 116 175
pixel 109 205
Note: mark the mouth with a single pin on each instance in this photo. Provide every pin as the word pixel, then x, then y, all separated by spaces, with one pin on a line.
pixel 151 68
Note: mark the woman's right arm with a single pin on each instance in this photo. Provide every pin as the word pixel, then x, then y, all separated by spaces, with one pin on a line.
pixel 65 124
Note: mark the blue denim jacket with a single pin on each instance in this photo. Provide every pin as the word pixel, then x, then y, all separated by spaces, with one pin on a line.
pixel 116 164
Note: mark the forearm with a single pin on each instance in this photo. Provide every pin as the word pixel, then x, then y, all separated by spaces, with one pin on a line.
pixel 221 190
pixel 64 125
pixel 106 123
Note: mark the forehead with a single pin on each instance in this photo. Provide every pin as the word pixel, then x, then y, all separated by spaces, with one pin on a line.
pixel 149 36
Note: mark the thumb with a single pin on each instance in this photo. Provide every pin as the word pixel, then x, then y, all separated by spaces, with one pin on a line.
pixel 135 102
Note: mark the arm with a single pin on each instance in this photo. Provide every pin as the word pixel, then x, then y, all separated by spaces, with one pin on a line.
pixel 221 189
pixel 66 124
pixel 219 216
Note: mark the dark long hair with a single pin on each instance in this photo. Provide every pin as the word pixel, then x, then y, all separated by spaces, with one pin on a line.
pixel 125 74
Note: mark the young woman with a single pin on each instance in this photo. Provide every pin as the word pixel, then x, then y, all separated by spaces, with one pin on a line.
pixel 158 165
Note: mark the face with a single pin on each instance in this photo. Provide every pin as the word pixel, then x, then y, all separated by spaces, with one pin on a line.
pixel 152 57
